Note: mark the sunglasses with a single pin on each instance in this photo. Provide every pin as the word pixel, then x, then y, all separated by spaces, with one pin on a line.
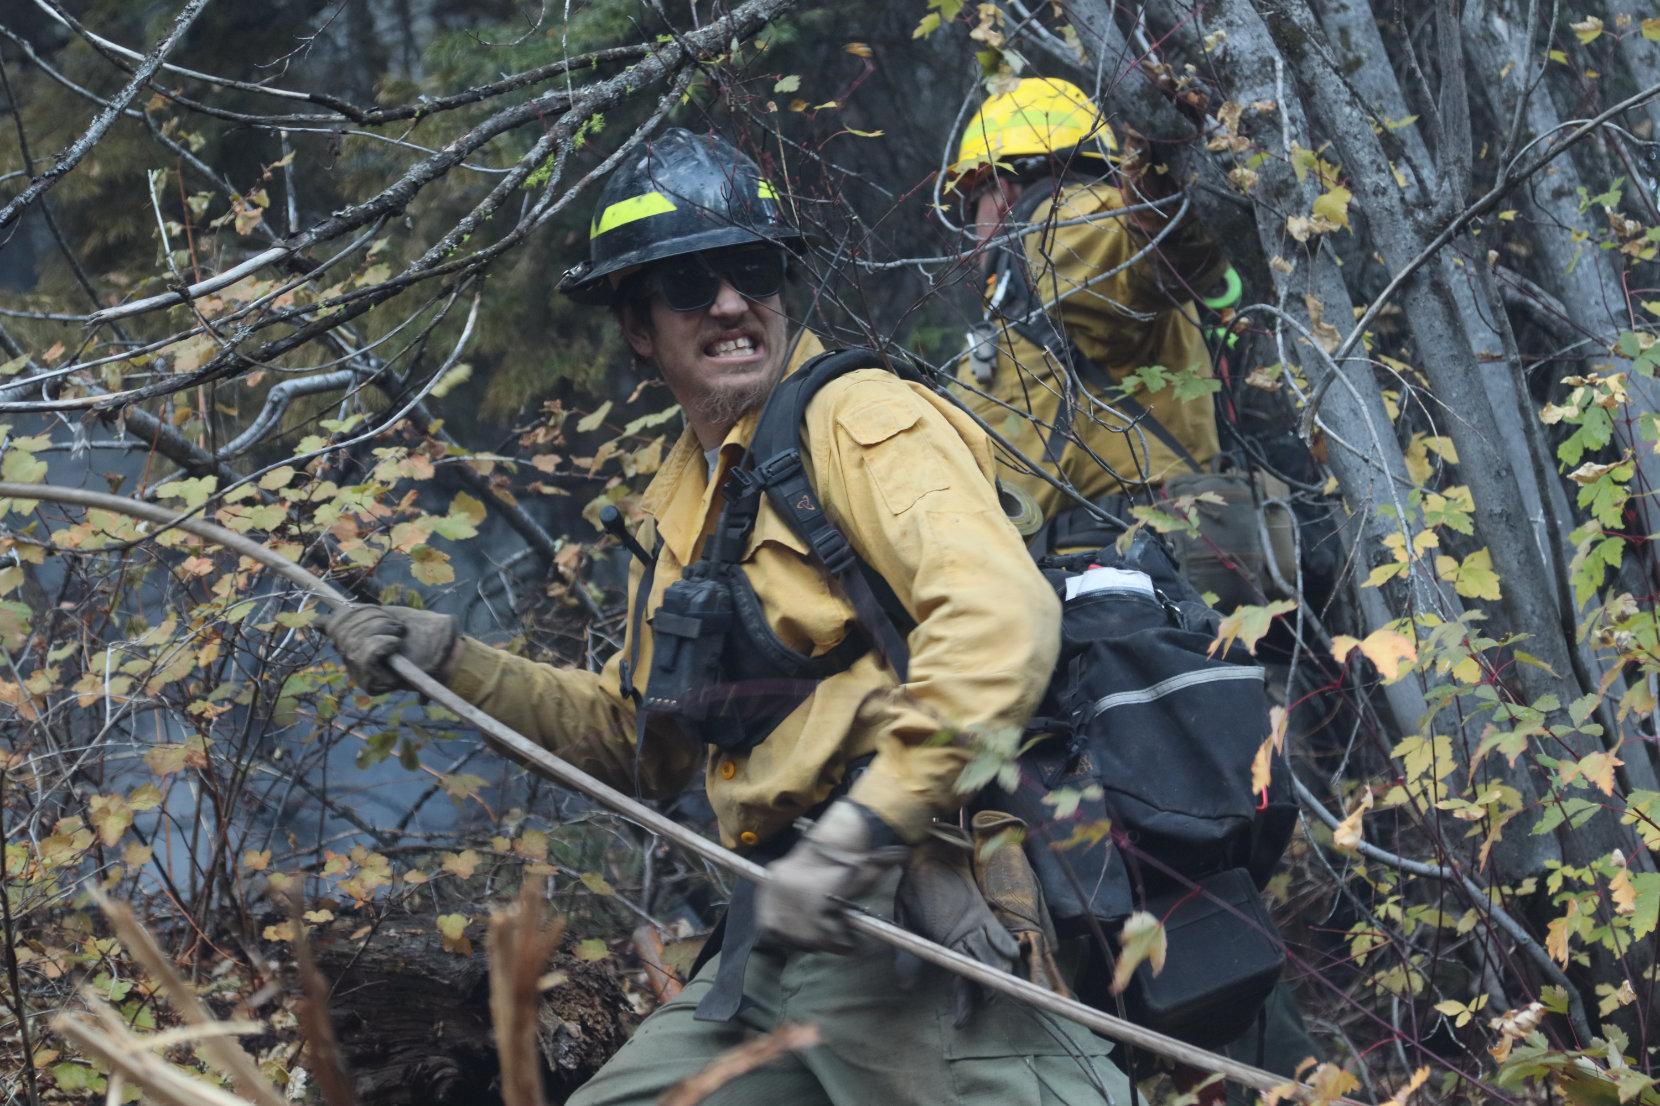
pixel 691 282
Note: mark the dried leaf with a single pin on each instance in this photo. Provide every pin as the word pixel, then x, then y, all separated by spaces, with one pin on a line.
pixel 1141 939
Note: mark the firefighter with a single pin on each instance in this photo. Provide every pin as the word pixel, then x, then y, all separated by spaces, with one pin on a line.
pixel 689 248
pixel 1090 362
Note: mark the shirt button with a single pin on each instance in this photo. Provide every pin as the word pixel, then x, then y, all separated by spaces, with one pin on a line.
pixel 728 769
pixel 748 837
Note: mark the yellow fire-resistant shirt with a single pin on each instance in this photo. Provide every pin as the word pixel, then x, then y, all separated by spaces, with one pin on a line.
pixel 1137 317
pixel 907 477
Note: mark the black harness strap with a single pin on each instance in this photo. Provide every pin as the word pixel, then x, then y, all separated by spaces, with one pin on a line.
pixel 779 472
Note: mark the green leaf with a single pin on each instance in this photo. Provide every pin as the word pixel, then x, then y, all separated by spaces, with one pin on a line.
pixel 194 492
pixel 1647 914
pixel 792 83
pixel 591 949
pixel 22 468
pixel 73 1078
pixel 1592 569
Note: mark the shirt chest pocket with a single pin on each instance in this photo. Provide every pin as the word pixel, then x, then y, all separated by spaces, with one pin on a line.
pixel 900 475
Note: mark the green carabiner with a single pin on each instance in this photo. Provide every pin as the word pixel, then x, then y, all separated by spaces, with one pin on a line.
pixel 1230 294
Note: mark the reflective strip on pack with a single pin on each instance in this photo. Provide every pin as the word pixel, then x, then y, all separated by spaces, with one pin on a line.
pixel 1173 685
pixel 627 211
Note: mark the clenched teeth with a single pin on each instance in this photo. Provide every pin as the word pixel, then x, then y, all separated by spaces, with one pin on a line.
pixel 731 345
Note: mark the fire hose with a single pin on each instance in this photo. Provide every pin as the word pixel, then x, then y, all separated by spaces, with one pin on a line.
pixel 527 752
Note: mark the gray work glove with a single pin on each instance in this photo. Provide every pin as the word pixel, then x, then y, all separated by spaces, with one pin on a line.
pixel 842 857
pixel 366 636
pixel 939 899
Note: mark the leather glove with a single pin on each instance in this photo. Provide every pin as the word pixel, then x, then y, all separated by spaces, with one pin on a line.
pixel 843 856
pixel 1014 895
pixel 940 900
pixel 365 636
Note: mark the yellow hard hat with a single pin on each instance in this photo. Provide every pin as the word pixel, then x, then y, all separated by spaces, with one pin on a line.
pixel 1039 116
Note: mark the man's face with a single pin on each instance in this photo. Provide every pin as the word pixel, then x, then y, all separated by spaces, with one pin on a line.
pixel 990 207
pixel 720 360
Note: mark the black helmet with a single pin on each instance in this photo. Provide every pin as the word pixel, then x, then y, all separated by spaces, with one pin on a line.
pixel 684 193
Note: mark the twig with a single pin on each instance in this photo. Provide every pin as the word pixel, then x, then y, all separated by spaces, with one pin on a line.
pixel 124 1054
pixel 19 1011
pixel 723 1069
pixel 102 121
pixel 326 1062
pixel 521 940
pixel 226 1055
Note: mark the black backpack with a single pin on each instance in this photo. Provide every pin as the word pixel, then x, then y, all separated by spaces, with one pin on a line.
pixel 1141 729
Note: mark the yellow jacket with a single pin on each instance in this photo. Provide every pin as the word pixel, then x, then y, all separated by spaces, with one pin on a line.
pixel 907 478
pixel 1101 319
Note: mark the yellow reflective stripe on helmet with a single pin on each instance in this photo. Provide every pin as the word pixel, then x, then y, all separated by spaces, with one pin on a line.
pixel 766 191
pixel 627 211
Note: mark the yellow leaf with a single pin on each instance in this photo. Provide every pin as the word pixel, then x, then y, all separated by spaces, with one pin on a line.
pixel 430 566
pixel 1141 939
pixel 452 926
pixel 1384 573
pixel 1248 624
pixel 462 864
pixel 1651 29
pixel 1587 30
pixel 1596 769
pixel 1262 766
pixel 1473 578
pixel 256 861
pixel 1623 892
pixel 858 49
pixel 22 468
pixel 1387 649
pixel 1347 836
pixel 318 917
pixel 532 845
pixel 110 816
pixel 282 931
pixel 1333 206
pixel 591 422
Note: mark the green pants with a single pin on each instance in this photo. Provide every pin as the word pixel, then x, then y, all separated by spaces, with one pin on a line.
pixel 882 1045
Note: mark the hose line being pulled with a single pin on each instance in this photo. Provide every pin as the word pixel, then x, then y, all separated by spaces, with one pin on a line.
pixel 527 752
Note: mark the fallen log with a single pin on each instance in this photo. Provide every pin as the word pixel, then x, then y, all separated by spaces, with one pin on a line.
pixel 414 1024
